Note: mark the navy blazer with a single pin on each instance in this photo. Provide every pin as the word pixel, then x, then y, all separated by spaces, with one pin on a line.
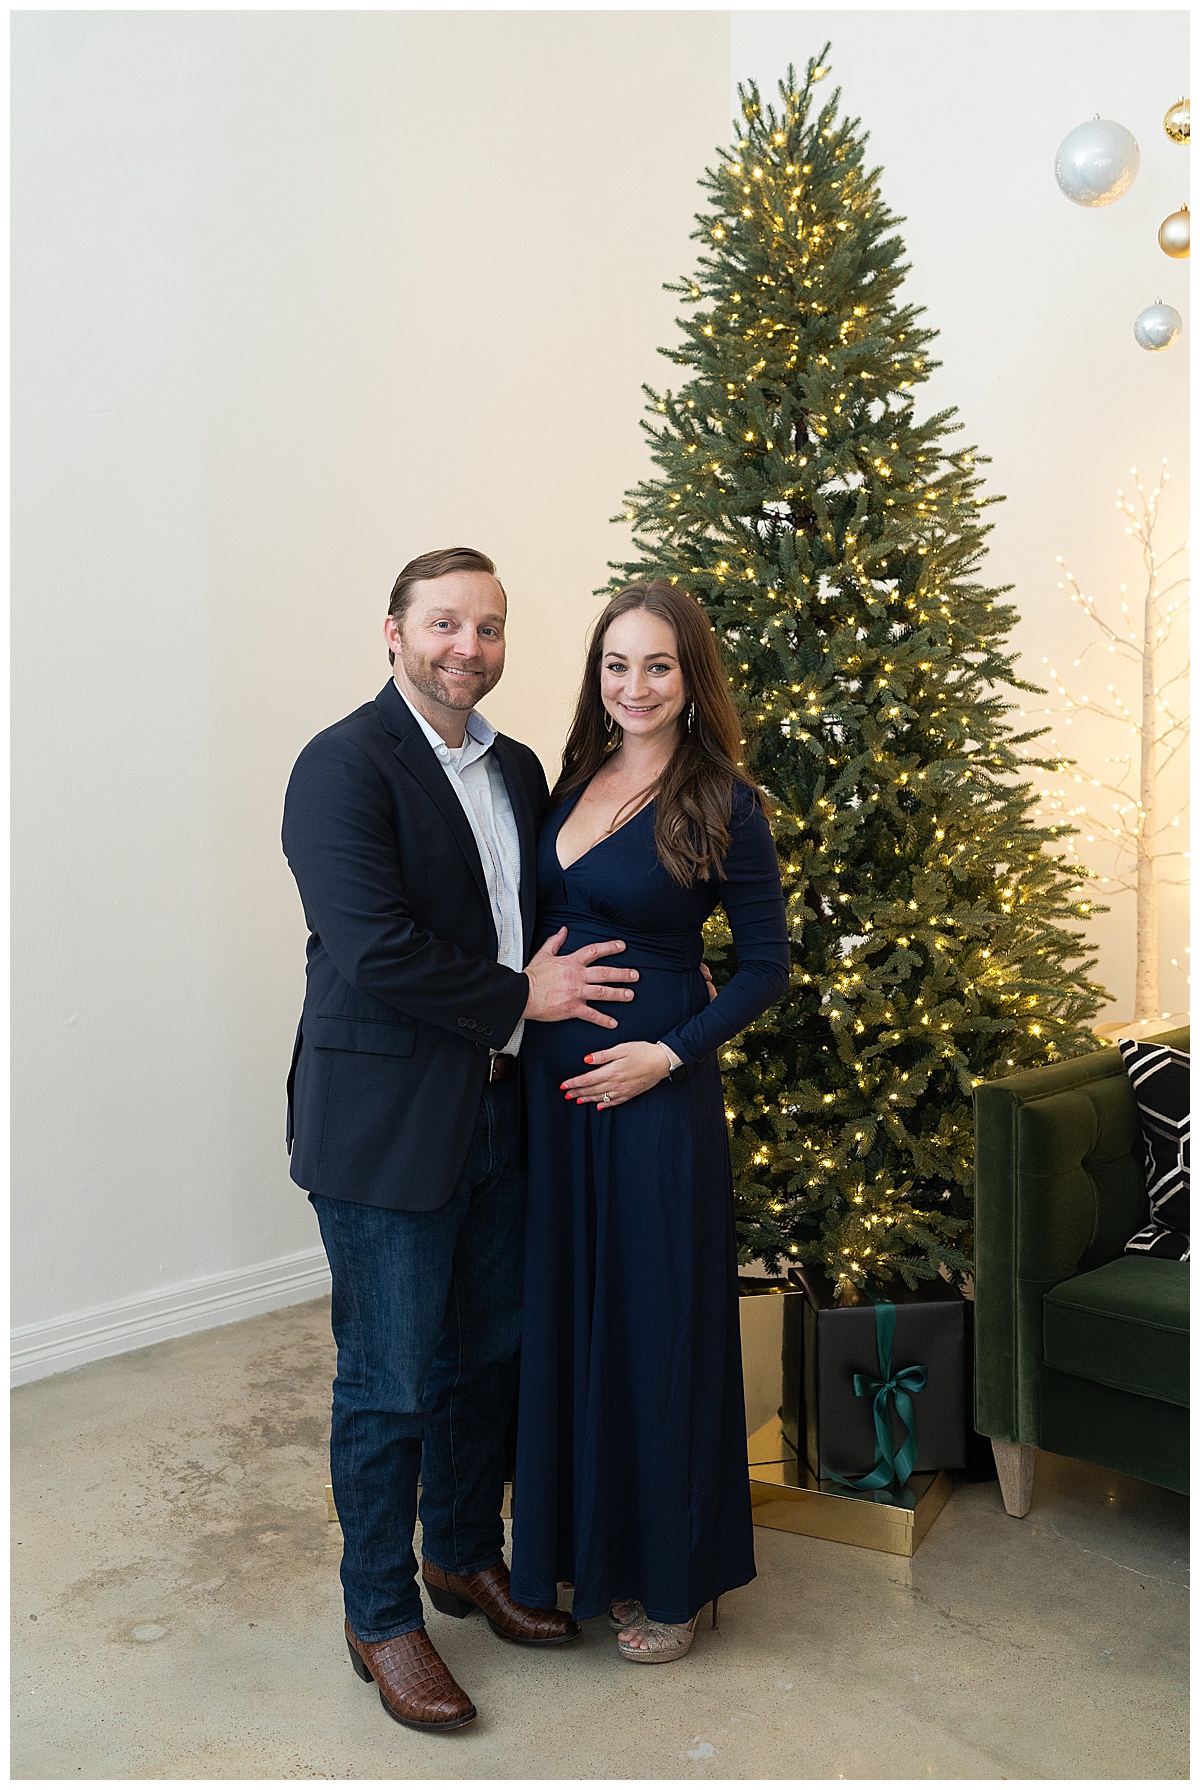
pixel 404 995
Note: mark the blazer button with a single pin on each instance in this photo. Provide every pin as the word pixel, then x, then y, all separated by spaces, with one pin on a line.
pixel 488 1030
pixel 464 1022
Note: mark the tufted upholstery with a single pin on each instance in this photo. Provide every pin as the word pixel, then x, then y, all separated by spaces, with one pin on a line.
pixel 1059 1190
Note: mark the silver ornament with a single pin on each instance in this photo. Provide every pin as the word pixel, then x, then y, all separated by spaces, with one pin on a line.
pixel 1175 234
pixel 1157 327
pixel 1178 121
pixel 1097 162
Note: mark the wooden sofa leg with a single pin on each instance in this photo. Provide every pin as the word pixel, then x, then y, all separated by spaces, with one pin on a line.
pixel 1014 1464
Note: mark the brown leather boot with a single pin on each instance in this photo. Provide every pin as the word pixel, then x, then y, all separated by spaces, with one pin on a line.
pixel 457 1595
pixel 415 1685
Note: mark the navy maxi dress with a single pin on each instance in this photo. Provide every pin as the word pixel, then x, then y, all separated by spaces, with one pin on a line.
pixel 631 1476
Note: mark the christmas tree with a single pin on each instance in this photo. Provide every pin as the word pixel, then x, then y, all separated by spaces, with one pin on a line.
pixel 834 540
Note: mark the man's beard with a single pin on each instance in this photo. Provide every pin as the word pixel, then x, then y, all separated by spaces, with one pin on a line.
pixel 448 692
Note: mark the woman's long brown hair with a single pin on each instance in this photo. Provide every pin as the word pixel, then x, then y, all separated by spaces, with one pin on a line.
pixel 694 795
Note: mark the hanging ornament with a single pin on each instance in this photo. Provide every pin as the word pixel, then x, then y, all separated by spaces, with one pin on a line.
pixel 1175 235
pixel 1178 121
pixel 1096 162
pixel 1157 327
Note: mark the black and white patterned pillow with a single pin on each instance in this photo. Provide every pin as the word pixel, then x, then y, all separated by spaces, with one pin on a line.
pixel 1160 1080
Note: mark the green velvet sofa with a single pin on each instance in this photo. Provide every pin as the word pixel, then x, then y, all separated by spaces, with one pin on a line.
pixel 1079 1348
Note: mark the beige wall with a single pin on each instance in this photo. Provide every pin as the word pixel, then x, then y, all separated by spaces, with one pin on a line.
pixel 296 296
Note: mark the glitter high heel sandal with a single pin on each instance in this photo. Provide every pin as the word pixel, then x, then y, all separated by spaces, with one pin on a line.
pixel 626 1612
pixel 666 1640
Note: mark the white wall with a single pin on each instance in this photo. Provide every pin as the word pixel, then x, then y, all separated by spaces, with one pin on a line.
pixel 1034 299
pixel 296 296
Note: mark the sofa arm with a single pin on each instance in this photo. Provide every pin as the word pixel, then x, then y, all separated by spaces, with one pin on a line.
pixel 1058 1191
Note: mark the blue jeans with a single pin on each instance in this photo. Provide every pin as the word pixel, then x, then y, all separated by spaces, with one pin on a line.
pixel 427 1320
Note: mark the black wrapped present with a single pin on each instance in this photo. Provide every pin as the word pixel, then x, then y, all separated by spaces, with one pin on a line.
pixel 873 1385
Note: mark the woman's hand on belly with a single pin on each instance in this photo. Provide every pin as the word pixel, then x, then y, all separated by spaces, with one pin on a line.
pixel 619 1074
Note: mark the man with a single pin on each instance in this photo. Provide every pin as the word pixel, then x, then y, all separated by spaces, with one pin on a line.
pixel 411 830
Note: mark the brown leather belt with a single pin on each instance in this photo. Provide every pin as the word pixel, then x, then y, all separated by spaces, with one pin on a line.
pixel 501 1067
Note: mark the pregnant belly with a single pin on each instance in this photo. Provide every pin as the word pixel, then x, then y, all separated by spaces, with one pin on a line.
pixel 662 1000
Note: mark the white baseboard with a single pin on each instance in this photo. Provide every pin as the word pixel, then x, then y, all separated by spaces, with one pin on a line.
pixel 60 1343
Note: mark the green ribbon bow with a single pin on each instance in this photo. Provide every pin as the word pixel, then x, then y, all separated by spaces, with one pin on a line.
pixel 892 1465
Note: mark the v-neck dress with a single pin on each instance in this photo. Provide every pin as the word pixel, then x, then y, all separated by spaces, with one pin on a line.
pixel 631 1476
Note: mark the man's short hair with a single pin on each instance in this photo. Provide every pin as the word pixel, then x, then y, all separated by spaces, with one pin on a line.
pixel 436 565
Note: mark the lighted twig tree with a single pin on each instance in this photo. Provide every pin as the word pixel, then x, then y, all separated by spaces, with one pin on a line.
pixel 1121 808
pixel 835 538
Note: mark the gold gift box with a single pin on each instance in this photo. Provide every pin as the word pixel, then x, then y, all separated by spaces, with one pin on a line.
pixel 784 1492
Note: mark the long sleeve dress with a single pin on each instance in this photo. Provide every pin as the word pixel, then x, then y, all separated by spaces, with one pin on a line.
pixel 631 1476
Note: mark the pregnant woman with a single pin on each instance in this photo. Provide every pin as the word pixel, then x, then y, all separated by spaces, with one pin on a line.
pixel 631 1479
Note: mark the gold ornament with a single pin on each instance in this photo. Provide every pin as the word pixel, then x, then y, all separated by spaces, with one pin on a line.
pixel 1178 121
pixel 1175 235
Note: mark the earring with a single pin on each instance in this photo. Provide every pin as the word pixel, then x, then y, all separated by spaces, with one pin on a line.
pixel 691 715
pixel 608 722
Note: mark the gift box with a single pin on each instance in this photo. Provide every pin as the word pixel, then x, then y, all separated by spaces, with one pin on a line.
pixel 873 1385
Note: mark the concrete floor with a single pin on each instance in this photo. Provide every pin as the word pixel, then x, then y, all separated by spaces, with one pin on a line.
pixel 177 1615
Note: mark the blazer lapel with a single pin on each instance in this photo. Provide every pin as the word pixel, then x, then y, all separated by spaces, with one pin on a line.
pixel 417 755
pixel 518 795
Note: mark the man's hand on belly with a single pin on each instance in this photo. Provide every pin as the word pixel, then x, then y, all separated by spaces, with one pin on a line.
pixel 561 987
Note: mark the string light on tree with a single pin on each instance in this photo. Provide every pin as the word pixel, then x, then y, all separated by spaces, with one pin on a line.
pixel 834 537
